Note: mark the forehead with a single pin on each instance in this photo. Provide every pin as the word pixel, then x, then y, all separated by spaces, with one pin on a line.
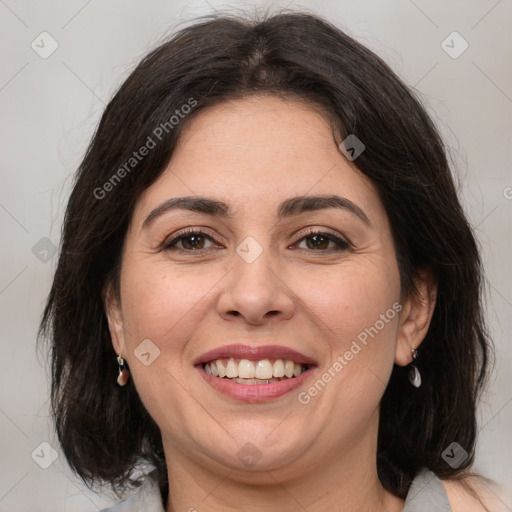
pixel 277 130
pixel 257 152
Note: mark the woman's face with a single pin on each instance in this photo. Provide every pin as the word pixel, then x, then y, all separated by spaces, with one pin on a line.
pixel 258 289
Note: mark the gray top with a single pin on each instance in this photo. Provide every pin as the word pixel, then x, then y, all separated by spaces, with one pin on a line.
pixel 426 494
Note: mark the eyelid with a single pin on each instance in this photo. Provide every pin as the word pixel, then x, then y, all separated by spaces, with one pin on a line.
pixel 312 230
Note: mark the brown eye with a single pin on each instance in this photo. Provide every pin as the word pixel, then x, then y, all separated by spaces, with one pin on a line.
pixel 190 241
pixel 319 241
pixel 193 242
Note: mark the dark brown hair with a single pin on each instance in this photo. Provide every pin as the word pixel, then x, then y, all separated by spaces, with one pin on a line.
pixel 104 429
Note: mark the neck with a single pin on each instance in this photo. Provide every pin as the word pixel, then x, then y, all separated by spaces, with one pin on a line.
pixel 346 480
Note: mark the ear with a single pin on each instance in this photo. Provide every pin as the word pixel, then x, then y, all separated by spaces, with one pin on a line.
pixel 112 305
pixel 415 316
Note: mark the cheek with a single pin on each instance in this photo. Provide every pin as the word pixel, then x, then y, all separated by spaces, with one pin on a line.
pixel 165 307
pixel 161 303
pixel 351 298
pixel 357 311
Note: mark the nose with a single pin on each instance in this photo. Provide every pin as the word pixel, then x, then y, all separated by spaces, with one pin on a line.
pixel 255 293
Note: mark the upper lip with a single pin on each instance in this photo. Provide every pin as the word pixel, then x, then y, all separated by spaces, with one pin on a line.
pixel 240 351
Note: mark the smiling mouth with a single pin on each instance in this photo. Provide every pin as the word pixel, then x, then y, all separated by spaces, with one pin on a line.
pixel 246 371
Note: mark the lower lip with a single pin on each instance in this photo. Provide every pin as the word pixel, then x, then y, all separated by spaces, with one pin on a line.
pixel 254 392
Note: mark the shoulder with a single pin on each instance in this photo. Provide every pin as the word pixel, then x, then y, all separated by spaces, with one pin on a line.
pixel 474 493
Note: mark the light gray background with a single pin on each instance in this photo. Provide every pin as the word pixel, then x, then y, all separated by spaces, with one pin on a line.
pixel 50 107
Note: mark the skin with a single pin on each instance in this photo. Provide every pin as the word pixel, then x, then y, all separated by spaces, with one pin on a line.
pixel 253 154
pixel 477 494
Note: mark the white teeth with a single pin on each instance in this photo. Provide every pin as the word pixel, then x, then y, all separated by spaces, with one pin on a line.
pixel 231 369
pixel 288 368
pixel 220 368
pixel 246 369
pixel 278 368
pixel 263 370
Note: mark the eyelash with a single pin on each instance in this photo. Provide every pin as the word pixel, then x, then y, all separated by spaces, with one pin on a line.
pixel 343 245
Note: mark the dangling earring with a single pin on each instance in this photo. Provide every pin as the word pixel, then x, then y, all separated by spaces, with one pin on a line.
pixel 414 373
pixel 123 375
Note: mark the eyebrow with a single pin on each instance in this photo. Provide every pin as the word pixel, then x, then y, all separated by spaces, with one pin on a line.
pixel 288 208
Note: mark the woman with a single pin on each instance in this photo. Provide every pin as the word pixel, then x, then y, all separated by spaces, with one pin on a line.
pixel 267 287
